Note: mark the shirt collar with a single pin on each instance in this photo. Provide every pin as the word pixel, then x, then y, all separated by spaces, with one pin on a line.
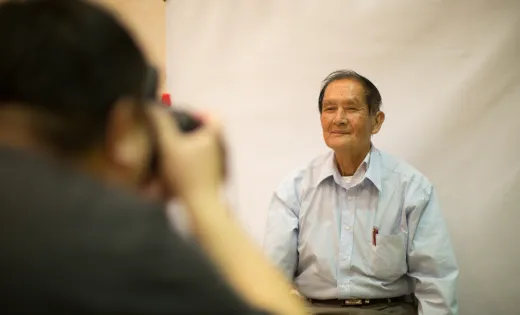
pixel 374 168
pixel 371 165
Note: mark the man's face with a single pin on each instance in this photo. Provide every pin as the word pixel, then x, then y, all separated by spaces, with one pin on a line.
pixel 345 118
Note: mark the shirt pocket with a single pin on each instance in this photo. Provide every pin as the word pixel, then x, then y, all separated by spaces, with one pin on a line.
pixel 387 259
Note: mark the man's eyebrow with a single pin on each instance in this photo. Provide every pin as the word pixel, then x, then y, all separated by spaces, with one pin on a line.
pixel 353 101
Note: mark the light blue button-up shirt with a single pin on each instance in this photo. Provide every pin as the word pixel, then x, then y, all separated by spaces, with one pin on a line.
pixel 320 233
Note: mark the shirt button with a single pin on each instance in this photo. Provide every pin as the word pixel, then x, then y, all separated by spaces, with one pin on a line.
pixel 350 198
pixel 347 227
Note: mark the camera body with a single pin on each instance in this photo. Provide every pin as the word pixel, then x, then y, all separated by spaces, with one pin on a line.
pixel 185 121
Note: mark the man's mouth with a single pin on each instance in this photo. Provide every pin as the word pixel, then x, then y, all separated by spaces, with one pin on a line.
pixel 339 132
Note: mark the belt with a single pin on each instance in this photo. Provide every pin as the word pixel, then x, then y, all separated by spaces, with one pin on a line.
pixel 358 302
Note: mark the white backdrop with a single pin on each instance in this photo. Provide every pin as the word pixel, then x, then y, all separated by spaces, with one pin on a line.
pixel 449 73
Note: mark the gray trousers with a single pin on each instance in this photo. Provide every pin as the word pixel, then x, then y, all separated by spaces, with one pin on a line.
pixel 398 308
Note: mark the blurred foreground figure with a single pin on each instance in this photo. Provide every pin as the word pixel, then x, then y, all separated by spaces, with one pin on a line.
pixel 76 235
pixel 359 228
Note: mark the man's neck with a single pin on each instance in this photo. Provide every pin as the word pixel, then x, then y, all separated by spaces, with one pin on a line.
pixel 18 132
pixel 91 163
pixel 348 161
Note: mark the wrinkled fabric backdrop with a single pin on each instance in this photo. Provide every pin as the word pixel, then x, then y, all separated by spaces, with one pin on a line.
pixel 449 73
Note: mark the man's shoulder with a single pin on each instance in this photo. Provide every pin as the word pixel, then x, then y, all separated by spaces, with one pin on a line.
pixel 397 168
pixel 307 172
pixel 40 191
pixel 43 184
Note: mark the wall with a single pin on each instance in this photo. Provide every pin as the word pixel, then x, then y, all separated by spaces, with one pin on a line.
pixel 450 78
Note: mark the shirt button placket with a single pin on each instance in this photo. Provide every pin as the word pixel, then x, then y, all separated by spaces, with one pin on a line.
pixel 346 243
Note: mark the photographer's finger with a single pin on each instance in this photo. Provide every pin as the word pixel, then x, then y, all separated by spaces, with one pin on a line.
pixel 164 125
pixel 211 126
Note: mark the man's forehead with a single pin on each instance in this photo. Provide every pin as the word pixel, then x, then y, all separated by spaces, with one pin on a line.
pixel 344 97
pixel 345 89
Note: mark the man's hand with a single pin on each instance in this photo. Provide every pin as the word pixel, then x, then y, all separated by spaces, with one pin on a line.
pixel 190 164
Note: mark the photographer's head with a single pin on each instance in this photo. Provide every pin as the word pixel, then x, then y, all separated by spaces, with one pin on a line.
pixel 72 81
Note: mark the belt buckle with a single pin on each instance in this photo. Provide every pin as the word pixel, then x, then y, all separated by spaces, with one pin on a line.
pixel 350 302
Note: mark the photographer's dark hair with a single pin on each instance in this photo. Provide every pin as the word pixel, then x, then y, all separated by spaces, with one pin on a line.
pixel 372 95
pixel 68 61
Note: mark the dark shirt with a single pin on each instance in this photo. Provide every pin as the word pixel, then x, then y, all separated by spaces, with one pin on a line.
pixel 72 244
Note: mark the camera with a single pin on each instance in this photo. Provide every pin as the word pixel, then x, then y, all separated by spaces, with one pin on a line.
pixel 185 121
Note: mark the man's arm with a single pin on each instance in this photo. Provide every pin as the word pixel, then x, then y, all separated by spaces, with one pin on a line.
pixel 431 260
pixel 241 262
pixel 192 170
pixel 281 234
pixel 169 275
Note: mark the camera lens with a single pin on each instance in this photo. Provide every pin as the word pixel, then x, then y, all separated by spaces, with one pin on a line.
pixel 186 121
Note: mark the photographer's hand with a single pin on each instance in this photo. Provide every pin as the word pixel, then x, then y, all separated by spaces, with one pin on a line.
pixel 190 166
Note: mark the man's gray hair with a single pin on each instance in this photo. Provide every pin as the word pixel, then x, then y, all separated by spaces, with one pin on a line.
pixel 372 95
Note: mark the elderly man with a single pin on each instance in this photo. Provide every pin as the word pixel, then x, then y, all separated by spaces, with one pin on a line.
pixel 358 228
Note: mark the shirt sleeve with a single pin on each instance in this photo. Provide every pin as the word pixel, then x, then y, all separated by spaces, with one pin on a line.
pixel 281 233
pixel 431 260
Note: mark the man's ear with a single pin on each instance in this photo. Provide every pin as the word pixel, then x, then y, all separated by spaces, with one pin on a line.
pixel 377 121
pixel 120 126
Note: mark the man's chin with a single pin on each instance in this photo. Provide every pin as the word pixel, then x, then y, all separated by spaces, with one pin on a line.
pixel 339 144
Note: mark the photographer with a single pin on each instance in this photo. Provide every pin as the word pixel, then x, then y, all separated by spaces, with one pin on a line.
pixel 76 143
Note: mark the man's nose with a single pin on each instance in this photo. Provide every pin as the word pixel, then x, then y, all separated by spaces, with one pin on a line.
pixel 341 117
